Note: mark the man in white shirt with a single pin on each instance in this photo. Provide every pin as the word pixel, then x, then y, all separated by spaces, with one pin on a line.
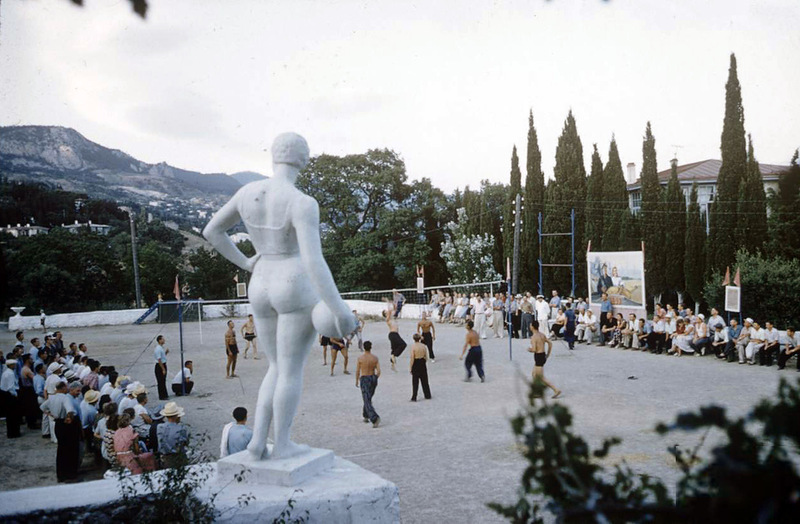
pixel 479 312
pixel 791 347
pixel 542 313
pixel 589 327
pixel 497 316
pixel 187 376
pixel 744 339
pixel 720 341
pixel 658 336
pixel 771 346
pixel 629 338
pixel 9 398
pixel 713 320
pixel 758 336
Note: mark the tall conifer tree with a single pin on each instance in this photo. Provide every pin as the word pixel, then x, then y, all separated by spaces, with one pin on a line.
pixel 651 217
pixel 675 232
pixel 615 200
pixel 695 242
pixel 752 208
pixel 534 199
pixel 724 216
pixel 514 189
pixel 568 192
pixel 594 202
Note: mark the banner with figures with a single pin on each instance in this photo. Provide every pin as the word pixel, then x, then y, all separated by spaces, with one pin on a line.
pixel 620 274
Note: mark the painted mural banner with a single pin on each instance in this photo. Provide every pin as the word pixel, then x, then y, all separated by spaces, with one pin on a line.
pixel 620 274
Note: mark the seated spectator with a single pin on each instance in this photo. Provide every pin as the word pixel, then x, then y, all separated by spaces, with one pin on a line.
pixel 172 436
pixel 127 451
pixel 758 336
pixel 120 385
pixel 616 334
pixel 743 339
pixel 104 432
pixel 681 339
pixel 713 320
pixel 720 341
pixel 629 338
pixel 587 327
pixel 236 436
pixel 607 328
pixel 642 333
pixel 734 332
pixel 91 378
pixel 791 347
pixel 559 324
pixel 772 345
pixel 133 390
pixel 658 335
pixel 108 387
pixel 700 336
pixel 103 377
pixel 141 421
pixel 187 373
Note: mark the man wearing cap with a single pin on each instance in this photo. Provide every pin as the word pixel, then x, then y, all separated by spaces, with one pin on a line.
pixel 122 382
pixel 542 311
pixel 172 435
pixel 758 336
pixel 743 339
pixel 10 398
pixel 88 415
pixel 67 427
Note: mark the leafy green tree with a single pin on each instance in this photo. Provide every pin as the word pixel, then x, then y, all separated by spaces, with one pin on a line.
pixel 615 197
pixel 675 233
pixel 533 205
pixel 752 206
pixel 514 189
pixel 568 193
pixel 784 220
pixel 595 202
pixel 493 198
pixel 211 275
pixel 158 269
pixel 651 217
pixel 724 216
pixel 695 244
pixel 468 257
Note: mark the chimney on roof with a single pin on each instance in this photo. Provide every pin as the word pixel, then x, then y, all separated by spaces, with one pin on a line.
pixel 631 178
pixel 673 162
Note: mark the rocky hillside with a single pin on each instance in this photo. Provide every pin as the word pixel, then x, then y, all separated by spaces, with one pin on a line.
pixel 64 158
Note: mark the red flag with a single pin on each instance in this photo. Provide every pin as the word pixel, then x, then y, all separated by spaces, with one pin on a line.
pixel 727 280
pixel 177 289
pixel 737 280
pixel 236 278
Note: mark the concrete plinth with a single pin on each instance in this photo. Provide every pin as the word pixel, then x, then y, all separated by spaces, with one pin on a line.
pixel 285 472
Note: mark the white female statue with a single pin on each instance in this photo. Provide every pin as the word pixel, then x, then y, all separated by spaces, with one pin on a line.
pixel 292 292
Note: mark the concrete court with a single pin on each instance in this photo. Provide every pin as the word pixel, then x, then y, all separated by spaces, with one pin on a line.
pixel 448 456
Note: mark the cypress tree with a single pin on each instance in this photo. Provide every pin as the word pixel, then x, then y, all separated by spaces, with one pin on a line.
pixel 724 217
pixel 695 241
pixel 514 189
pixel 784 221
pixel 534 199
pixel 752 209
pixel 568 193
pixel 594 202
pixel 615 200
pixel 675 232
pixel 651 217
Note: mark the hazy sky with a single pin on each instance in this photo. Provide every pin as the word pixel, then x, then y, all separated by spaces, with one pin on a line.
pixel 206 85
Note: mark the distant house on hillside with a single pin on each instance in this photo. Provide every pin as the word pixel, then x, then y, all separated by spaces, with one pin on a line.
pixel 24 231
pixel 705 173
pixel 100 229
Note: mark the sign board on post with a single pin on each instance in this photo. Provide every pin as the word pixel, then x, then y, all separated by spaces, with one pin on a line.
pixel 241 290
pixel 420 285
pixel 733 299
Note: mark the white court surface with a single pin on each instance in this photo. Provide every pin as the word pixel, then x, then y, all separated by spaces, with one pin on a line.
pixel 447 456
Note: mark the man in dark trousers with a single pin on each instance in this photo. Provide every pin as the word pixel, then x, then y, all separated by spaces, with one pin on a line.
pixel 368 369
pixel 160 355
pixel 68 432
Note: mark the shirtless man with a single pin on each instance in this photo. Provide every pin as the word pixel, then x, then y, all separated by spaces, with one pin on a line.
pixel 248 331
pixel 357 333
pixel 368 369
pixel 398 345
pixel 538 340
pixel 475 356
pixel 428 332
pixel 338 345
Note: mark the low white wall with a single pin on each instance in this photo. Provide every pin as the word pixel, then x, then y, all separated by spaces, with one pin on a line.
pixel 86 319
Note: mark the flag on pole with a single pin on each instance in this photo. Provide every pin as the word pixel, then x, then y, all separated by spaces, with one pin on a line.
pixel 737 279
pixel 177 289
pixel 508 268
pixel 236 278
pixel 727 280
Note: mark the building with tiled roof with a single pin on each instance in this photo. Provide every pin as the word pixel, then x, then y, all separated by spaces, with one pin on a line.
pixel 705 174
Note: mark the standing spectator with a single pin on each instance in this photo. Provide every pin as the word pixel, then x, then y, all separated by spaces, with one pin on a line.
pixel 10 398
pixel 542 313
pixel 29 407
pixel 497 316
pixel 184 377
pixel 43 320
pixel 515 311
pixel 772 345
pixel 231 350
pixel 67 428
pixel 479 313
pixel 605 309
pixel 92 379
pixel 172 435
pixel 720 341
pixel 39 380
pixel 235 435
pixel 89 415
pixel 555 304
pixel 791 346
pixel 160 355
pixel 527 316
pixel 569 328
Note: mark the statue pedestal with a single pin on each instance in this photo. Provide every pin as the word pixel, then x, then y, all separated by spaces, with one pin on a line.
pixel 284 472
pixel 328 487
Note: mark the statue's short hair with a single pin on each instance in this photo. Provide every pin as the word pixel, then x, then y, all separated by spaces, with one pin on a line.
pixel 290 148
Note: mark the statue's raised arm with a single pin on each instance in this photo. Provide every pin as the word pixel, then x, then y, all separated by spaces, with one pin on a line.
pixel 292 293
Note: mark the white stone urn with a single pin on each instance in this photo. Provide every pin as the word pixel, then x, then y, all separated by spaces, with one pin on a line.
pixel 18 310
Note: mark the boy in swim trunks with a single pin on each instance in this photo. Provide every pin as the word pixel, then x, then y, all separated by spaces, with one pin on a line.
pixel 475 355
pixel 538 340
pixel 338 345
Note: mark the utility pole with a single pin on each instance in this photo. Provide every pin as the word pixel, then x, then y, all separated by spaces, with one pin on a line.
pixel 517 223
pixel 135 261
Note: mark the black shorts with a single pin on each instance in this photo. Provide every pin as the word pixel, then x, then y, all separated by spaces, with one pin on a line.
pixel 325 341
pixel 539 359
pixel 249 336
pixel 233 348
